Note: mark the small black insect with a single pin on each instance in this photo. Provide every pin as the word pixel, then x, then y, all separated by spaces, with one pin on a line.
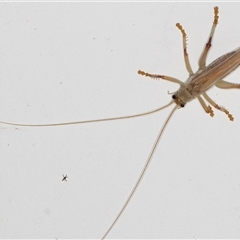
pixel 65 178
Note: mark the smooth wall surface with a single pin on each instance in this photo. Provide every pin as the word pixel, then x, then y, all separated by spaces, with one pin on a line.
pixel 63 62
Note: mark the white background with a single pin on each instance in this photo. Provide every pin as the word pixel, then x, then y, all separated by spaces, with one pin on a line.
pixel 64 62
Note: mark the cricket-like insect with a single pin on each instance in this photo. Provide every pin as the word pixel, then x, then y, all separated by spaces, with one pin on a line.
pixel 195 86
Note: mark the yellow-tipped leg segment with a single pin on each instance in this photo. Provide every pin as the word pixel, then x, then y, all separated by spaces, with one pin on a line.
pixel 221 108
pixel 226 85
pixel 155 76
pixel 186 59
pixel 202 59
pixel 208 108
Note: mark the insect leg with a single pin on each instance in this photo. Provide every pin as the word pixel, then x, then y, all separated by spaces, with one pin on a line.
pixel 208 108
pixel 202 59
pixel 155 76
pixel 226 85
pixel 186 59
pixel 221 108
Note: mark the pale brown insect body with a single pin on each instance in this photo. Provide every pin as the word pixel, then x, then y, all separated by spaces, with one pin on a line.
pixel 207 77
pixel 198 83
pixel 194 87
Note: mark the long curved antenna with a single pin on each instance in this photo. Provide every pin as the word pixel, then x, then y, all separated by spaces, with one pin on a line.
pixel 143 171
pixel 87 121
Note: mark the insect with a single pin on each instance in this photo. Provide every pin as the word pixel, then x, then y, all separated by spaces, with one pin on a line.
pixel 64 178
pixel 194 88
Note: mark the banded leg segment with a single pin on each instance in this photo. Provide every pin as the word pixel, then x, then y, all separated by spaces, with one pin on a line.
pixel 221 108
pixel 156 76
pixel 208 108
pixel 186 59
pixel 226 85
pixel 202 59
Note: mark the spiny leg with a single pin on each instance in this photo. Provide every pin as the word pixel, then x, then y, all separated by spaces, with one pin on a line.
pixel 155 76
pixel 186 59
pixel 208 108
pixel 226 85
pixel 202 59
pixel 221 108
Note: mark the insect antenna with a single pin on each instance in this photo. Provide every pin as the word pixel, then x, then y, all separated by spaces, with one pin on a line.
pixel 87 121
pixel 143 170
pixel 110 119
